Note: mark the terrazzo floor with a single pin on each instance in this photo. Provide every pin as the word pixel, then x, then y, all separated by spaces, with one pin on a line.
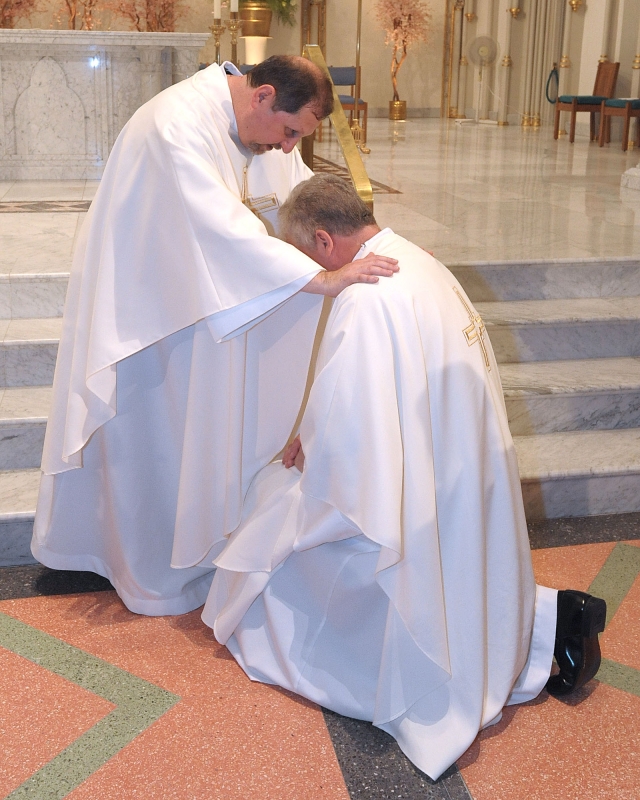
pixel 98 702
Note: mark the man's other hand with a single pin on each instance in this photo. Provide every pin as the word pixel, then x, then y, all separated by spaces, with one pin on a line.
pixel 365 270
pixel 293 455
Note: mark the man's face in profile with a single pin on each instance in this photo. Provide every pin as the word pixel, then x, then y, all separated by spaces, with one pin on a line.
pixel 276 130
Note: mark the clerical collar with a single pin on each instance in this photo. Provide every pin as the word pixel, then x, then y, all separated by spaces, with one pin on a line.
pixel 371 243
pixel 229 68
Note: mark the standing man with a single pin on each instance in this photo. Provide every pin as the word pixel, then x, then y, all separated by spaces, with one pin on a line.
pixel 186 327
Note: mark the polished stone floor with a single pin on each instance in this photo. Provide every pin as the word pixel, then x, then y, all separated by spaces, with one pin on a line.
pixel 479 192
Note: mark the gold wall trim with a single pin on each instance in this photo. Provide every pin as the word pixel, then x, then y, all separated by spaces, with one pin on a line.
pixel 352 158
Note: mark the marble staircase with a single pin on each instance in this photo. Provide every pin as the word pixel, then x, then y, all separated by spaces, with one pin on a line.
pixel 566 335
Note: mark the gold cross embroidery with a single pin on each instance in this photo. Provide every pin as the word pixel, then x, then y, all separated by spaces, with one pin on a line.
pixel 257 204
pixel 476 331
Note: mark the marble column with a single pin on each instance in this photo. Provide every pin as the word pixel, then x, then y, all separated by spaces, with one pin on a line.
pixel 455 59
pixel 527 119
pixel 635 70
pixel 513 11
pixel 461 103
pixel 606 31
pixel 631 178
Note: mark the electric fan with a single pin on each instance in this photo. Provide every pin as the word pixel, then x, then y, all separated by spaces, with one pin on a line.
pixel 482 52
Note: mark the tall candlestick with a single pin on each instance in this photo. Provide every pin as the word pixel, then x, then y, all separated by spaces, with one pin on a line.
pixel 234 26
pixel 234 5
pixel 217 9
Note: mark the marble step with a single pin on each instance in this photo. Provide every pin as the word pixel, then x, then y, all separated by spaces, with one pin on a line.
pixel 580 473
pixel 551 330
pixel 28 350
pixel 18 497
pixel 24 296
pixel 541 397
pixel 556 396
pixel 544 280
pixel 23 420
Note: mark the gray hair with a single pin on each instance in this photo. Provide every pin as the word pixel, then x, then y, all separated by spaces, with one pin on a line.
pixel 324 202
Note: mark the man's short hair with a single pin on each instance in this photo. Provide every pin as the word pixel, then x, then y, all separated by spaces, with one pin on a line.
pixel 324 202
pixel 297 82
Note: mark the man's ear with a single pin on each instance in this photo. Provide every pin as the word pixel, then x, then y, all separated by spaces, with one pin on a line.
pixel 324 242
pixel 263 94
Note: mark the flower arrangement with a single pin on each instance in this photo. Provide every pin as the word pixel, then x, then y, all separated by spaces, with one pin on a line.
pixel 13 10
pixel 284 10
pixel 405 22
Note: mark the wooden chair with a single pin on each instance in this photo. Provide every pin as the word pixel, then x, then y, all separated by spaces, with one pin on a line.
pixel 619 107
pixel 604 89
pixel 346 76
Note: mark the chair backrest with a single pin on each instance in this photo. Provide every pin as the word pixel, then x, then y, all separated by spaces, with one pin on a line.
pixel 343 76
pixel 606 77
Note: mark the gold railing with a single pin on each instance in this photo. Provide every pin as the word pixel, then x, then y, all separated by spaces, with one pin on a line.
pixel 352 158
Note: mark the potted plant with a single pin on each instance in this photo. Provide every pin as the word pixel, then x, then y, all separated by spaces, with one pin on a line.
pixel 404 22
pixel 256 15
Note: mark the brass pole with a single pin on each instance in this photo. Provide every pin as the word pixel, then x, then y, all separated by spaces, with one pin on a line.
pixel 356 129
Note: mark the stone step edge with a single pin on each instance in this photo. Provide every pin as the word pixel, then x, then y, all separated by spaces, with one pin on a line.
pixel 32 277
pixel 542 262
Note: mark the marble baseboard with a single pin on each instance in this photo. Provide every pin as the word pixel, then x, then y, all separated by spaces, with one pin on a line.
pixel 15 541
pixel 543 280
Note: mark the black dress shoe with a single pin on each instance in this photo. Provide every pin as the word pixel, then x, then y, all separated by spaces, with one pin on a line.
pixel 581 617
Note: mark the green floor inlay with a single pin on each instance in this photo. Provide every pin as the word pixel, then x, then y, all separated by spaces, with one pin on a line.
pixel 619 676
pixel 616 577
pixel 613 584
pixel 139 704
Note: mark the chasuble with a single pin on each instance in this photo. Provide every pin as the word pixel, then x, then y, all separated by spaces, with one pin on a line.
pixel 184 351
pixel 392 580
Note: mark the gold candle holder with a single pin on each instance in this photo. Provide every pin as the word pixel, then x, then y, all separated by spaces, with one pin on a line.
pixel 217 29
pixel 235 23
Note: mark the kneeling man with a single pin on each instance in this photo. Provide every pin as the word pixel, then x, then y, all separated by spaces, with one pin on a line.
pixel 391 579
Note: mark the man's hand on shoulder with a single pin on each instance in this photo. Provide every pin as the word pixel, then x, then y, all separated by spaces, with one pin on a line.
pixel 365 270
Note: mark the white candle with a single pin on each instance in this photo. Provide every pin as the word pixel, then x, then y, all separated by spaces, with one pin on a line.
pixel 234 5
pixel 217 9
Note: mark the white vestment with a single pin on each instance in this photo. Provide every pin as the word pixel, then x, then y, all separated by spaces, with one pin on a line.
pixel 184 352
pixel 392 581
